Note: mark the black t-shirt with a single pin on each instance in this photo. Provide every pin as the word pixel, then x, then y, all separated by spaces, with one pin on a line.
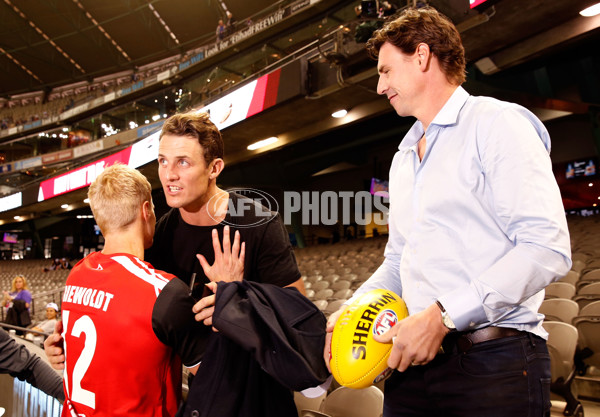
pixel 269 255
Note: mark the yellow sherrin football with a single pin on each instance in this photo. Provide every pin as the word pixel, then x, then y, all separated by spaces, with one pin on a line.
pixel 357 360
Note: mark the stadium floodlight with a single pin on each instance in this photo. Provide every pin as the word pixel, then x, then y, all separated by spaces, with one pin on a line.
pixel 262 143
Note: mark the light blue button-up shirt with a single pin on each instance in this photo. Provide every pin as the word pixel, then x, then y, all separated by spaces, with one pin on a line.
pixel 478 224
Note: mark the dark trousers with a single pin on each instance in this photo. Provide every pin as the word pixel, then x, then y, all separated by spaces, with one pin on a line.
pixel 508 377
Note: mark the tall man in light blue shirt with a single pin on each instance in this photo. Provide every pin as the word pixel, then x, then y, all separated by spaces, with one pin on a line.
pixel 477 231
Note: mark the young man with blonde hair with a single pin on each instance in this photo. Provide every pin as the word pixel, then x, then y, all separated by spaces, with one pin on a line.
pixel 125 323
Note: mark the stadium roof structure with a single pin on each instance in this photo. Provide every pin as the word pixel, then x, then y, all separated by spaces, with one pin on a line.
pixel 56 42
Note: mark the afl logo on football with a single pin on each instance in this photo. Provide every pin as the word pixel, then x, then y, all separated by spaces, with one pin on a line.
pixel 384 321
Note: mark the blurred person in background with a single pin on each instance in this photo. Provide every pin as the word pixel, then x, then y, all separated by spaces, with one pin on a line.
pixel 221 31
pixel 47 326
pixel 65 264
pixel 230 23
pixel 19 290
pixel 56 264
pixel 17 302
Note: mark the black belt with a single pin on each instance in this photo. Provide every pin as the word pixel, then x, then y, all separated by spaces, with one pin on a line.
pixel 463 341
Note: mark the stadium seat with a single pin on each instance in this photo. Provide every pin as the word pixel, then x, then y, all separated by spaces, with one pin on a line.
pixel 348 402
pixel 341 284
pixel 334 306
pixel 559 309
pixel 313 413
pixel 343 294
pixel 321 304
pixel 589 337
pixel 562 342
pixel 350 277
pixel 331 278
pixel 314 278
pixel 585 299
pixel 592 309
pixel 591 265
pixel 321 285
pixel 572 277
pixel 324 294
pixel 580 256
pixel 308 404
pixel 588 278
pixel 593 274
pixel 578 265
pixel 592 288
pixel 560 290
pixel 361 270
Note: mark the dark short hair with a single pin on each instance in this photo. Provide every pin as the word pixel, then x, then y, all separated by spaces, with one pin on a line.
pixel 424 25
pixel 196 125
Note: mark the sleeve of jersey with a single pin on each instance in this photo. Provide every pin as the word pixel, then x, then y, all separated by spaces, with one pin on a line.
pixel 174 324
pixel 277 263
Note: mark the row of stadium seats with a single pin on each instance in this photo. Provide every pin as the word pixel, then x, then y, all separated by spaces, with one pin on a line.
pixel 332 273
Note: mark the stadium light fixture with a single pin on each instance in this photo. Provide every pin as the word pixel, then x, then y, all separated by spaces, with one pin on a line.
pixel 339 114
pixel 591 11
pixel 262 143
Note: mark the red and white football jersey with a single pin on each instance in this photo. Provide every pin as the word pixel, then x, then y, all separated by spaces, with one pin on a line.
pixel 115 365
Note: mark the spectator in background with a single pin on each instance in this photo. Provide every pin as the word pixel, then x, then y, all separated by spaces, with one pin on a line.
pixel 230 23
pixel 65 264
pixel 56 264
pixel 17 302
pixel 47 326
pixel 387 9
pixel 19 290
pixel 221 30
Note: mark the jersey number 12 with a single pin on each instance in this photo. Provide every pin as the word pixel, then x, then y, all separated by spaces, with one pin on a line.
pixel 84 325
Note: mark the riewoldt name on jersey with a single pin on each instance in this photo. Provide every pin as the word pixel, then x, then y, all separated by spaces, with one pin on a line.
pixel 90 297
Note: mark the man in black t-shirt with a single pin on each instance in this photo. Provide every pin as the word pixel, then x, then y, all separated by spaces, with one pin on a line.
pixel 269 256
pixel 190 160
